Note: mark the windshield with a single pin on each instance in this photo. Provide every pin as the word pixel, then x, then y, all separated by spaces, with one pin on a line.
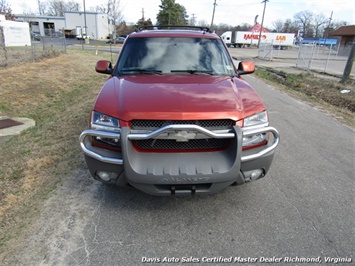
pixel 170 55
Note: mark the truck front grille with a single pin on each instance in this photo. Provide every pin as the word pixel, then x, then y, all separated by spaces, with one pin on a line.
pixel 174 145
pixel 155 124
pixel 193 144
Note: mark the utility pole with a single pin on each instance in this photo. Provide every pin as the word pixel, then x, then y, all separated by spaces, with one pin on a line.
pixel 86 30
pixel 330 21
pixel 349 65
pixel 214 8
pixel 142 14
pixel 193 19
pixel 262 21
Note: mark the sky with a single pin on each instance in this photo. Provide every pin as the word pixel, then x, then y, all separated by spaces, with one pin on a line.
pixel 231 12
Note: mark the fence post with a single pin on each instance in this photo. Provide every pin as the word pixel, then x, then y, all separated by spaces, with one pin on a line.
pixel 64 41
pixel 2 44
pixel 43 46
pixel 298 55
pixel 338 49
pixel 312 57
pixel 326 64
pixel 33 47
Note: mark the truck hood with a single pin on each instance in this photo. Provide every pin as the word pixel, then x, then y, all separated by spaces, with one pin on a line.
pixel 177 97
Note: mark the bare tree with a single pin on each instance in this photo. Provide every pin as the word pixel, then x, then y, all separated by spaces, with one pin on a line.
pixel 58 7
pixel 41 7
pixel 319 24
pixel 202 23
pixel 102 8
pixel 72 6
pixel 222 27
pixel 55 7
pixel 113 9
pixel 5 9
pixel 304 19
pixel 278 25
pixel 4 6
pixel 336 24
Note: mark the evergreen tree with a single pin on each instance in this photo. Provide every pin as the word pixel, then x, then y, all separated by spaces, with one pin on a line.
pixel 172 13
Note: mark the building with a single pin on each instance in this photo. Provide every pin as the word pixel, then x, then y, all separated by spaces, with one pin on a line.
pixel 346 34
pixel 94 24
pixel 257 27
pixel 44 25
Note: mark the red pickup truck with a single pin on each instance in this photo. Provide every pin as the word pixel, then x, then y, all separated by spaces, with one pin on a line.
pixel 175 117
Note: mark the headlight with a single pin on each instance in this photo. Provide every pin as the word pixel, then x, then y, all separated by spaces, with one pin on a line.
pixel 259 119
pixel 104 122
pixel 254 141
pixel 256 120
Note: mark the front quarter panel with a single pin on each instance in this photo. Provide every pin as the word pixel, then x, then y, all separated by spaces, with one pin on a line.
pixel 107 99
pixel 251 100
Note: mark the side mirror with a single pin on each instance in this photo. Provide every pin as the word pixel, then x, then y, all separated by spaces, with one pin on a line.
pixel 104 67
pixel 246 67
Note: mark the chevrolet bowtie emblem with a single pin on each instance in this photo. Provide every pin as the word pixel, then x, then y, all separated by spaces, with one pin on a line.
pixel 182 136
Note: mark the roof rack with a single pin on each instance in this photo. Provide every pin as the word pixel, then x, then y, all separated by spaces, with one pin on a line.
pixel 172 27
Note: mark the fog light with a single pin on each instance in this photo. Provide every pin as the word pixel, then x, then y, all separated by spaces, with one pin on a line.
pixel 253 174
pixel 106 176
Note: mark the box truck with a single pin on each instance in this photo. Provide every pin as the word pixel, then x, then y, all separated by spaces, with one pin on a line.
pixel 81 33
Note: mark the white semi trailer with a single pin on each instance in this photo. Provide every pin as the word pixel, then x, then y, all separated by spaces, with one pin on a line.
pixel 248 38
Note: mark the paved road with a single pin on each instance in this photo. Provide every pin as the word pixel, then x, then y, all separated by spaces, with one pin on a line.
pixel 303 208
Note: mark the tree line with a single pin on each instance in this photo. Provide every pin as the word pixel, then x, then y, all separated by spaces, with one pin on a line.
pixel 307 23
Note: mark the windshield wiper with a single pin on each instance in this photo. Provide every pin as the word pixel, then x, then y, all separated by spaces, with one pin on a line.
pixel 193 71
pixel 140 70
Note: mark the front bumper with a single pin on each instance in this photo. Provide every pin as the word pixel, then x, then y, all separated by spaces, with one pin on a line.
pixel 183 172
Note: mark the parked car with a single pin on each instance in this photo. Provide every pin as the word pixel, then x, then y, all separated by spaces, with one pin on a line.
pixel 36 36
pixel 117 40
pixel 176 117
pixel 82 37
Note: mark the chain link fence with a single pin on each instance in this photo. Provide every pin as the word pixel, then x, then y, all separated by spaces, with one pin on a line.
pixel 41 47
pixel 265 51
pixel 327 59
pixel 305 56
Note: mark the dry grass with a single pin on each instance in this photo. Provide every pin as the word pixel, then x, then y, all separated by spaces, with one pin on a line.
pixel 58 94
pixel 324 93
